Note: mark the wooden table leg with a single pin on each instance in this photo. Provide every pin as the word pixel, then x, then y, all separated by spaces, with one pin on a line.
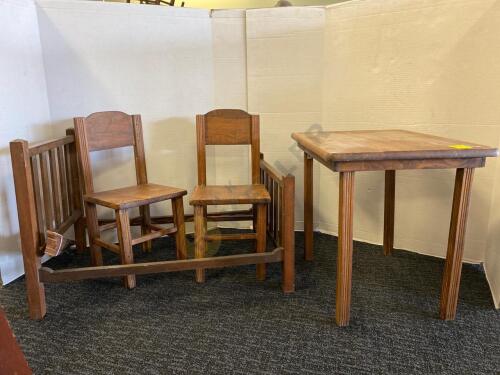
pixel 453 266
pixel 390 192
pixel 344 257
pixel 200 231
pixel 308 207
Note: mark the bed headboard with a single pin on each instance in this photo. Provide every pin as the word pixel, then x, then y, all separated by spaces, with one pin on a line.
pixel 47 189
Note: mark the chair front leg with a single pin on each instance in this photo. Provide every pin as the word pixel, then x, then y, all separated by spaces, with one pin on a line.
pixel 200 231
pixel 93 229
pixel 261 239
pixel 180 235
pixel 125 240
pixel 145 226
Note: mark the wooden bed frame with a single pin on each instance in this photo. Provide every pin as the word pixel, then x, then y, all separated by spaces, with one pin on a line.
pixel 48 196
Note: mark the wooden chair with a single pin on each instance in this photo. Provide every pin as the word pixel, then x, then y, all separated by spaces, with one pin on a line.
pixel 48 196
pixel 107 130
pixel 229 127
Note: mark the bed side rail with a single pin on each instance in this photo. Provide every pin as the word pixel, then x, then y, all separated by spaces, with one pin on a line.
pixel 280 212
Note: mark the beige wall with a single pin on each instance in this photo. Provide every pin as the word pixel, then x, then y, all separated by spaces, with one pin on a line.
pixel 424 66
pixel 419 67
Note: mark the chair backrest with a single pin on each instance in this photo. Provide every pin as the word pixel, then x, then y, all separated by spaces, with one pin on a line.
pixel 104 131
pixel 227 127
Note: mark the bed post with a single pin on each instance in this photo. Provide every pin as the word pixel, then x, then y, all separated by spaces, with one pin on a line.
pixel 28 226
pixel 76 195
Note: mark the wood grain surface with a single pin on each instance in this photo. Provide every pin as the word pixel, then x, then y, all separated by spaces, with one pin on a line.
pixel 231 194
pixel 365 145
pixel 134 196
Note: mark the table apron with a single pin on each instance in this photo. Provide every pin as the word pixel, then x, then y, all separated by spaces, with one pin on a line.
pixel 396 164
pixel 381 165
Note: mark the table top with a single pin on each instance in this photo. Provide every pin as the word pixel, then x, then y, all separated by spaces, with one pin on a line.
pixel 367 145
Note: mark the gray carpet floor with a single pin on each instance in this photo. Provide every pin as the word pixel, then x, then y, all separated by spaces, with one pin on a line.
pixel 234 324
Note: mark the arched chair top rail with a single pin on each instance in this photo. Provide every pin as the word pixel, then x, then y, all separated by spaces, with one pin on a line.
pixel 106 130
pixel 228 127
pixel 228 113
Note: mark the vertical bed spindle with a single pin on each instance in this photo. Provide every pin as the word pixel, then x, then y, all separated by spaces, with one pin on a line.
pixel 56 187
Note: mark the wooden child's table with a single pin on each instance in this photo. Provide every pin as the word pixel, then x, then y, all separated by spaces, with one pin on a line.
pixel 348 152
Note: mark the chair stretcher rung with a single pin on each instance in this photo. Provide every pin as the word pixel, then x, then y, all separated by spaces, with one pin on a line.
pixel 155 227
pixel 153 235
pixel 107 226
pixel 230 237
pixel 107 245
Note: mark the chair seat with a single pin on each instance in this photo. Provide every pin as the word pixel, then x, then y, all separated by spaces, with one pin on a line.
pixel 238 194
pixel 134 196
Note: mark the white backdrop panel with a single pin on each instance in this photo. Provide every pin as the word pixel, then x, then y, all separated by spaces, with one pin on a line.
pixel 155 61
pixel 231 163
pixel 24 113
pixel 411 65
pixel 285 64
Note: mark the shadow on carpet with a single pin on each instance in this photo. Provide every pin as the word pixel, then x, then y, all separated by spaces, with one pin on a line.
pixel 234 324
